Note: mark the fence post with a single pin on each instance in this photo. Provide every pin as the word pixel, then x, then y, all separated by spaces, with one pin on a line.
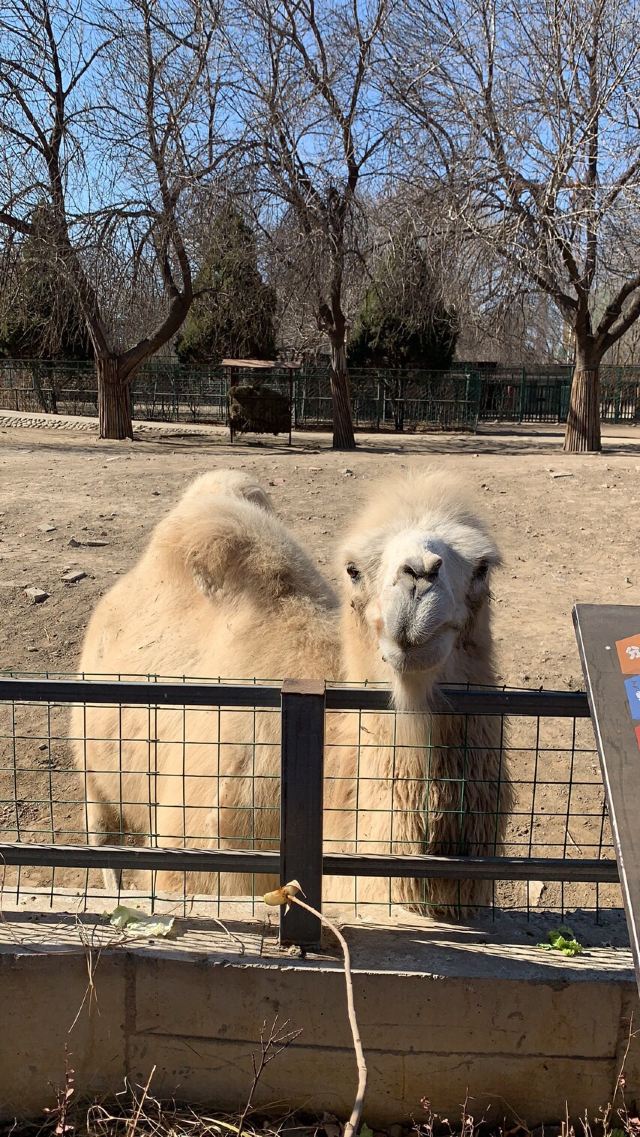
pixel 523 379
pixel 302 760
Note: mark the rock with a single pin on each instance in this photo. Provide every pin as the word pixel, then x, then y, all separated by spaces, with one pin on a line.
pixel 277 482
pixel 43 746
pixel 348 473
pixel 47 528
pixel 73 576
pixel 155 493
pixel 33 649
pixel 558 474
pixel 36 595
pixel 88 544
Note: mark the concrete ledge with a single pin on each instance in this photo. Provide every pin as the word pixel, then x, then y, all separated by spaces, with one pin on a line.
pixel 444 1011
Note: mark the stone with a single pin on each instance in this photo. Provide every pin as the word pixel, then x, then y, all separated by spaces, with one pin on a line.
pixel 348 473
pixel 36 595
pixel 73 576
pixel 89 543
pixel 47 528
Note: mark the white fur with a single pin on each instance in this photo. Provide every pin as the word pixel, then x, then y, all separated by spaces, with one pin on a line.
pixel 224 590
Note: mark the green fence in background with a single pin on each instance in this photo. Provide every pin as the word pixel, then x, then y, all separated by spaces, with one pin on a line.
pixel 382 399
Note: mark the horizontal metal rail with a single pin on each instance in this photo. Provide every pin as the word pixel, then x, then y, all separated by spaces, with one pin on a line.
pixel 471 868
pixel 129 857
pixel 333 864
pixel 301 707
pixel 453 700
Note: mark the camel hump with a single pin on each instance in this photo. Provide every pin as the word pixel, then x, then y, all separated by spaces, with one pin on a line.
pixel 224 534
pixel 226 483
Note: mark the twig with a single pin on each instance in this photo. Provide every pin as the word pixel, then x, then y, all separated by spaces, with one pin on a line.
pixel 287 895
pixel 132 1125
pixel 353 1124
pixel 277 1041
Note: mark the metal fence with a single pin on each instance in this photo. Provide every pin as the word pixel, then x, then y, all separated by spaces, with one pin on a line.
pixel 266 809
pixel 382 399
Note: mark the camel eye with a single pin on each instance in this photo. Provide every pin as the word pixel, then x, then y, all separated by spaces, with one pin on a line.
pixel 354 572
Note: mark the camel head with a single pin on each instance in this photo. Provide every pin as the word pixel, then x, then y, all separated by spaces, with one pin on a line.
pixel 416 571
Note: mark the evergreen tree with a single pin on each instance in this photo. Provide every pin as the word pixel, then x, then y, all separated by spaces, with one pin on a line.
pixel 40 317
pixel 402 321
pixel 234 315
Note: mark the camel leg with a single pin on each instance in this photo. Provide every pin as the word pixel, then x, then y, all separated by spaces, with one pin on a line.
pixel 103 825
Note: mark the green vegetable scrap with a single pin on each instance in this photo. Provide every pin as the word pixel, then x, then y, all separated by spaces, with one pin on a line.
pixel 137 923
pixel 563 940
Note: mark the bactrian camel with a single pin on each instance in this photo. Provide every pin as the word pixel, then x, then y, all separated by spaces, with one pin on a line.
pixel 223 589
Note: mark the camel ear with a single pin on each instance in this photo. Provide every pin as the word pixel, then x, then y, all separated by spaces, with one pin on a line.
pixel 479 585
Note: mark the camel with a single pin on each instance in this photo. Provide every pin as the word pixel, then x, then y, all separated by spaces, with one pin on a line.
pixel 223 589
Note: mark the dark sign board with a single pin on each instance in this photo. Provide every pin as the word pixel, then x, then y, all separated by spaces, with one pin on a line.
pixel 609 641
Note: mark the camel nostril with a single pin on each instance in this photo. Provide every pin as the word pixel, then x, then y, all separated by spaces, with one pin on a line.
pixel 428 571
pixel 433 568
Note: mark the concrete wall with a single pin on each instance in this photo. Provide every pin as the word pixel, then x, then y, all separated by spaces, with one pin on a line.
pixel 444 1012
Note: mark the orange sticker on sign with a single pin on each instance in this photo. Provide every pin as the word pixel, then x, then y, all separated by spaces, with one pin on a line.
pixel 629 654
pixel 638 736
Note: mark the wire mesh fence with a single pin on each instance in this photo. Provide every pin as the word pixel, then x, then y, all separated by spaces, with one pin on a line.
pixel 204 773
pixel 410 399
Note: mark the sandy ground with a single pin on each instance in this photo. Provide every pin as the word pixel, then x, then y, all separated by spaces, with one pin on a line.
pixel 568 527
pixel 564 538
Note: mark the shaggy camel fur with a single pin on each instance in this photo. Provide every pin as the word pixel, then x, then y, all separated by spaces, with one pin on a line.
pixel 223 589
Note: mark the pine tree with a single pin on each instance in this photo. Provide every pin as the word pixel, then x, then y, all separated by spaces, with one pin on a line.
pixel 40 317
pixel 403 322
pixel 234 315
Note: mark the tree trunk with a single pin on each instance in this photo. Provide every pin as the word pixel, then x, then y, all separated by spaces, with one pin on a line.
pixel 343 436
pixel 114 401
pixel 583 421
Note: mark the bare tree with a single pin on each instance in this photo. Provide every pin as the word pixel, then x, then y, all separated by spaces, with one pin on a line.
pixel 317 128
pixel 108 115
pixel 532 114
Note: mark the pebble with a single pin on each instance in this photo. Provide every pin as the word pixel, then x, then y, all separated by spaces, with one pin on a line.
pixel 46 528
pixel 73 576
pixel 348 473
pixel 277 482
pixel 36 595
pixel 43 746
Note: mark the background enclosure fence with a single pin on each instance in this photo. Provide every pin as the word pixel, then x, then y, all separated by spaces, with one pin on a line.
pixel 557 855
pixel 382 399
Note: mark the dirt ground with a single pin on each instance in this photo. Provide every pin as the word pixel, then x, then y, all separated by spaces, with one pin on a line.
pixel 568 526
pixel 564 538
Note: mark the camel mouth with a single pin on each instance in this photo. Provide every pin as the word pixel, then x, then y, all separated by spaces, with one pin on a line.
pixel 423 656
